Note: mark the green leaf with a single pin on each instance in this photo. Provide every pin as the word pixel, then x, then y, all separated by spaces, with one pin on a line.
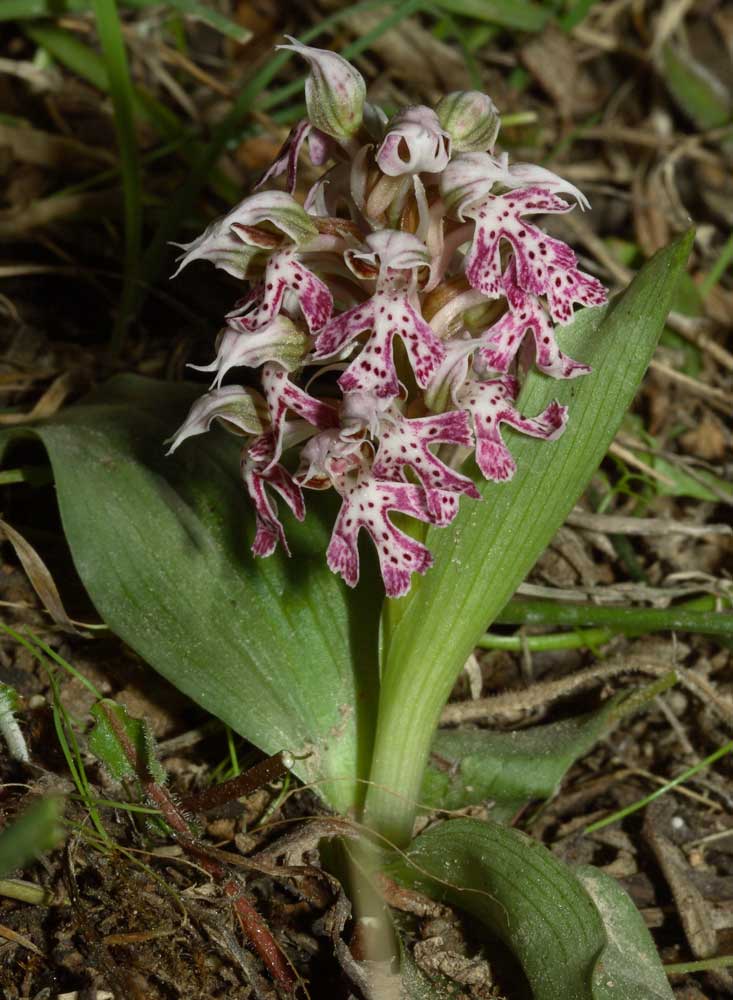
pixel 104 742
pixel 37 830
pixel 703 485
pixel 491 546
pixel 520 14
pixel 278 649
pixel 537 906
pixel 510 769
pixel 109 29
pixel 702 97
pixel 629 966
pixel 468 766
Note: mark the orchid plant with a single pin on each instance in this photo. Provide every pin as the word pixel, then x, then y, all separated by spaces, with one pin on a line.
pixel 411 269
pixel 391 319
pixel 398 341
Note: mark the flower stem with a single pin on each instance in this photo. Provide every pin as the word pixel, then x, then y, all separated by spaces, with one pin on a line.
pixel 693 616
pixel 408 716
pixel 588 638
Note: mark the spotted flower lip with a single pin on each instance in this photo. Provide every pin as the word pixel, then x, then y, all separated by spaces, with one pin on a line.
pixel 283 396
pixel 391 312
pixel 284 273
pixel 491 404
pixel 406 444
pixel 414 142
pixel 539 259
pixel 389 320
pixel 366 505
pixel 501 342
pixel 259 472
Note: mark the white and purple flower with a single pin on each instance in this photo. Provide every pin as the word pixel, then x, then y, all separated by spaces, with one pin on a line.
pixel 416 322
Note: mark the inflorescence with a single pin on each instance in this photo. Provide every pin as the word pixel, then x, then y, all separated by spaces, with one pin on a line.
pixel 417 233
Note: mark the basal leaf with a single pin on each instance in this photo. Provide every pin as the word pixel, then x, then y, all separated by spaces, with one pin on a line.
pixel 278 649
pixel 520 892
pixel 468 766
pixel 510 769
pixel 492 545
pixel 628 967
pixel 568 939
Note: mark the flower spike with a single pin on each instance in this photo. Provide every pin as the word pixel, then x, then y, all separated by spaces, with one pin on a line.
pixel 412 288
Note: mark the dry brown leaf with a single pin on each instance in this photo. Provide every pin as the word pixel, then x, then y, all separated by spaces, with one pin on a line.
pixel 551 58
pixel 651 213
pixel 30 145
pixel 20 221
pixel 39 576
pixel 10 935
pixel 49 403
pixel 708 440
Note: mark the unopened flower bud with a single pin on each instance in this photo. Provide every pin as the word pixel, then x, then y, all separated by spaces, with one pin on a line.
pixel 334 91
pixel 471 119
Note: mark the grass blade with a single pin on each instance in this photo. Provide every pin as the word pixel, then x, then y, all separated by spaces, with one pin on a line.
pixel 121 92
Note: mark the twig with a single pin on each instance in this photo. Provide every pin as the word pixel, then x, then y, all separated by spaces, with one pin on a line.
pixel 717 398
pixel 631 459
pixel 647 526
pixel 675 619
pixel 697 332
pixel 540 694
pixel 9 728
